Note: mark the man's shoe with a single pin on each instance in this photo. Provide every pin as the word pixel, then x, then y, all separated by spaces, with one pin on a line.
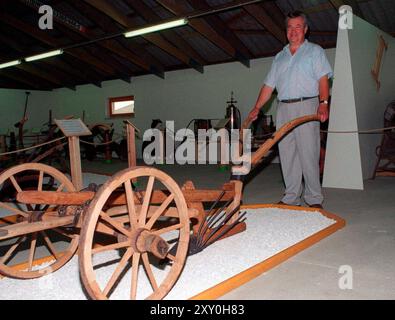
pixel 316 205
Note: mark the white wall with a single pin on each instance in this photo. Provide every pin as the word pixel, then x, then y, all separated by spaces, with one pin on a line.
pixel 182 96
pixel 12 104
pixel 370 103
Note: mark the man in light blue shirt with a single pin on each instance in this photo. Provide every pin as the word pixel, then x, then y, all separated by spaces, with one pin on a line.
pixel 300 73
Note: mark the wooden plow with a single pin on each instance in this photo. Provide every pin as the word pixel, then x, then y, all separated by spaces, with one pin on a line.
pixel 117 225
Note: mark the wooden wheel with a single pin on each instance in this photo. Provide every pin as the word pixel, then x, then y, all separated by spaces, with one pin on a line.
pixel 23 239
pixel 142 234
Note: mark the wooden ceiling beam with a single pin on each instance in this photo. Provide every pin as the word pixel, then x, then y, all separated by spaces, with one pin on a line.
pixel 55 62
pixel 94 49
pixel 265 19
pixel 55 78
pixel 48 76
pixel 241 14
pixel 265 32
pixel 151 17
pixel 9 83
pixel 318 8
pixel 201 26
pixel 154 38
pixel 42 36
pixel 352 3
pixel 107 26
pixel 33 82
pixel 242 52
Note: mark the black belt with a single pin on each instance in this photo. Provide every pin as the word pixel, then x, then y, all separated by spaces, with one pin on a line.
pixel 297 100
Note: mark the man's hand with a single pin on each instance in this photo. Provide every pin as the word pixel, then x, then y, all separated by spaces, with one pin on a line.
pixel 253 114
pixel 323 112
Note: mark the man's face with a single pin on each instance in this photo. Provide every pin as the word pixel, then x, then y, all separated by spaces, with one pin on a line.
pixel 296 30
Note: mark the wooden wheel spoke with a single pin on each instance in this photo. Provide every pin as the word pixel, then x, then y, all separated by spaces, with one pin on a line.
pixel 32 250
pixel 171 228
pixel 130 203
pixel 40 181
pixel 114 223
pixel 171 257
pixel 57 230
pixel 114 246
pixel 135 271
pixel 15 184
pixel 60 188
pixel 15 210
pixel 50 245
pixel 8 254
pixel 22 239
pixel 121 266
pixel 159 211
pixel 136 215
pixel 148 270
pixel 147 199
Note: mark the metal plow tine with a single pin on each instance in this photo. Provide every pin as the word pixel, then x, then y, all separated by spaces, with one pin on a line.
pixel 219 217
pixel 210 226
pixel 211 209
pixel 210 220
pixel 224 231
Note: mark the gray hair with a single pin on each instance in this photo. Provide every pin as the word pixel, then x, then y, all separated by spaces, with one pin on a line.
pixel 296 14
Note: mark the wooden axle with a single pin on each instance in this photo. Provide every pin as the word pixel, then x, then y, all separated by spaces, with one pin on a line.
pixel 23 228
pixel 79 198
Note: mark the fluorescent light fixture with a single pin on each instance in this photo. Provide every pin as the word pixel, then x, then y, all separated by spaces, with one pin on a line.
pixel 44 55
pixel 10 64
pixel 157 27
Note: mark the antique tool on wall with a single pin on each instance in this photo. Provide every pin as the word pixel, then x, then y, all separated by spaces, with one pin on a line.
pixel 21 123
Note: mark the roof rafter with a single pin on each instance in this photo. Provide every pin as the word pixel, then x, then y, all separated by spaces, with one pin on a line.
pixel 130 52
pixel 352 3
pixel 218 24
pixel 54 62
pixel 265 19
pixel 201 26
pixel 151 17
pixel 42 36
pixel 154 38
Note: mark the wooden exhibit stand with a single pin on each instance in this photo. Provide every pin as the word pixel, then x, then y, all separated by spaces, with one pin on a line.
pixel 73 129
pixel 131 139
pixel 130 135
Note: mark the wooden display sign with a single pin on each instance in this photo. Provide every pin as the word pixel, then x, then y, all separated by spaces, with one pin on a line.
pixel 73 127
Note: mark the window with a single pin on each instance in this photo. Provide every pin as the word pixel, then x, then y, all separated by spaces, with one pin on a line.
pixel 121 106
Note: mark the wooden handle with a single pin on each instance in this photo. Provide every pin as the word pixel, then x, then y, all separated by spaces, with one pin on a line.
pixel 264 148
pixel 246 123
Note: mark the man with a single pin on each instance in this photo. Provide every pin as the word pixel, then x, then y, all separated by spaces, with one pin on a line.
pixel 300 74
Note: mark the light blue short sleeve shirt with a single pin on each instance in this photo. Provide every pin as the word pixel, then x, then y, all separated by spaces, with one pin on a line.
pixel 296 76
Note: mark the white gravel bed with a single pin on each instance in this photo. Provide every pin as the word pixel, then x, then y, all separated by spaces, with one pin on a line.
pixel 269 231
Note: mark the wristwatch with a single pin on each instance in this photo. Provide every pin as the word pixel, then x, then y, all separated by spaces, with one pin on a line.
pixel 324 101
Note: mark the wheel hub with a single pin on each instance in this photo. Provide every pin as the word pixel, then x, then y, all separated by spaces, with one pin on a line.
pixel 144 240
